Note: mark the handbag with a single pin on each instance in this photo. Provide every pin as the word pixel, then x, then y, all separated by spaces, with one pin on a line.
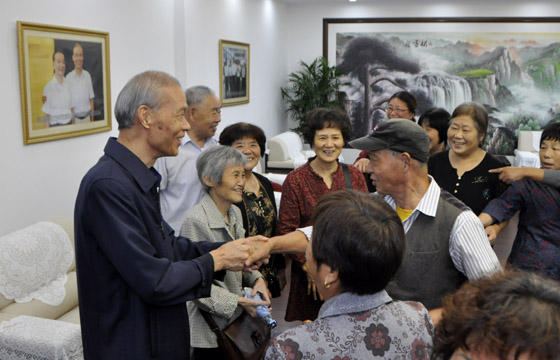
pixel 245 338
pixel 270 275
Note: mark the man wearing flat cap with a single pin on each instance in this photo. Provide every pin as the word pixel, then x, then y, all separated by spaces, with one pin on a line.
pixel 445 242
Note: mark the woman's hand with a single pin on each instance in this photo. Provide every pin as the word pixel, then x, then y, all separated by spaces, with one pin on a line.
pixel 510 174
pixel 311 288
pixel 260 287
pixel 492 232
pixel 362 165
pixel 250 305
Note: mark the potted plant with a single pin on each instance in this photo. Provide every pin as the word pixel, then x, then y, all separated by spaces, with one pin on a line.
pixel 316 85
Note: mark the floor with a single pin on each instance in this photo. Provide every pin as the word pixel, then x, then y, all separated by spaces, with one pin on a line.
pixel 279 306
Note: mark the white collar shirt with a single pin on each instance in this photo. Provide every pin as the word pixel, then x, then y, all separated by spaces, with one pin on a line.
pixel 469 247
pixel 81 88
pixel 57 105
pixel 180 188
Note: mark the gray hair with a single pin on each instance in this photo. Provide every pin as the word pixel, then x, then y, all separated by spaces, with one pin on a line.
pixel 197 94
pixel 142 89
pixel 212 163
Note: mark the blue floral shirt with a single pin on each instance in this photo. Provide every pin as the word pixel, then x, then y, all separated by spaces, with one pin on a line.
pixel 537 244
pixel 351 326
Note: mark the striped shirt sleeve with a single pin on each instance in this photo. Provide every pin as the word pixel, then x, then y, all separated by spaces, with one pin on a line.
pixel 470 249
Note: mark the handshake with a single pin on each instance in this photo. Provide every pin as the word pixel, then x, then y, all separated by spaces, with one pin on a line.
pixel 242 254
pixel 250 253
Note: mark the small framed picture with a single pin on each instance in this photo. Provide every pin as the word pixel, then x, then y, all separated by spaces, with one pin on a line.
pixel 64 82
pixel 234 72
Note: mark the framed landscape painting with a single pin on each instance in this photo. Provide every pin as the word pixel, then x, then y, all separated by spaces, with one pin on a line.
pixel 510 65
pixel 64 82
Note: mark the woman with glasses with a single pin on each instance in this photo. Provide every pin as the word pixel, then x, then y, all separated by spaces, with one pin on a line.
pixel 402 105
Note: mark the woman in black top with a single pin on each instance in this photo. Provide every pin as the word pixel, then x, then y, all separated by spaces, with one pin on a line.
pixel 258 207
pixel 463 169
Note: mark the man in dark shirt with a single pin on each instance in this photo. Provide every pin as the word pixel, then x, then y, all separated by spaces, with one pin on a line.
pixel 134 274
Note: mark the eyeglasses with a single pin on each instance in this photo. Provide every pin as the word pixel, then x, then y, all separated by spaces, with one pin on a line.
pixel 398 110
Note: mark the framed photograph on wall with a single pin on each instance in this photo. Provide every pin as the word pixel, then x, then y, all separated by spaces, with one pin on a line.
pixel 510 65
pixel 234 72
pixel 64 82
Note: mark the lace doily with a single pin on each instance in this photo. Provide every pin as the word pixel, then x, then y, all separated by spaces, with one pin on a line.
pixel 34 262
pixel 28 337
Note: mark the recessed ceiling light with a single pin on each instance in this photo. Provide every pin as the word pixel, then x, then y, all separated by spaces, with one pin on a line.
pixel 352 0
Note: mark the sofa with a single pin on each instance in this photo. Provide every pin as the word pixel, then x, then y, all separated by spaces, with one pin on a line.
pixel 66 311
pixel 285 153
pixel 43 321
pixel 527 152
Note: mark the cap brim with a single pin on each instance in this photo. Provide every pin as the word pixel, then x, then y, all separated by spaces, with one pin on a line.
pixel 369 143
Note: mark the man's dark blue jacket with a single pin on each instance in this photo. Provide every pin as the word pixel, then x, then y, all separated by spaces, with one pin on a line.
pixel 134 275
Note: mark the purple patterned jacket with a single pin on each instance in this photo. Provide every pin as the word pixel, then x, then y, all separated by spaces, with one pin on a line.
pixel 350 326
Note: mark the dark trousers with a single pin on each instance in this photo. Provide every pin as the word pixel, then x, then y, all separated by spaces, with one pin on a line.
pixel 207 354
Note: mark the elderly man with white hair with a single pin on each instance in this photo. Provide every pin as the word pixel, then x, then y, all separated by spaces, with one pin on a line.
pixel 134 274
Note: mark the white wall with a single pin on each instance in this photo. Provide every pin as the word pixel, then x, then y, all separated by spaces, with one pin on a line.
pixel 40 181
pixel 261 23
pixel 304 25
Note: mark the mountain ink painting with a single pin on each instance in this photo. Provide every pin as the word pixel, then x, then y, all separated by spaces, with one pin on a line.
pixel 515 75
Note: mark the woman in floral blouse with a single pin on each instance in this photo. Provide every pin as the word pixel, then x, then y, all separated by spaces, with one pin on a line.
pixel 326 130
pixel 258 207
pixel 357 246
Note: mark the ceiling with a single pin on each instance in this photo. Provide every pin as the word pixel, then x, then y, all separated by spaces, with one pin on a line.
pixel 408 2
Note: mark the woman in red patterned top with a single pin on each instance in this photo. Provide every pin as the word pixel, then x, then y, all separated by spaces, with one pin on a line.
pixel 326 130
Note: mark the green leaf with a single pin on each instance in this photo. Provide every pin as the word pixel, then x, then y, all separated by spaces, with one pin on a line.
pixel 315 85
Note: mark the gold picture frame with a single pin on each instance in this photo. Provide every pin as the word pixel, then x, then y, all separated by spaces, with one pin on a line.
pixel 54 106
pixel 234 72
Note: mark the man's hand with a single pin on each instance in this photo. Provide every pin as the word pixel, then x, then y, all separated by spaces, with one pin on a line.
pixel 290 243
pixel 362 164
pixel 260 251
pixel 231 256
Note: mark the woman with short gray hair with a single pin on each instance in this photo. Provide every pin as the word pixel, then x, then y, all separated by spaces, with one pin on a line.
pixel 221 172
